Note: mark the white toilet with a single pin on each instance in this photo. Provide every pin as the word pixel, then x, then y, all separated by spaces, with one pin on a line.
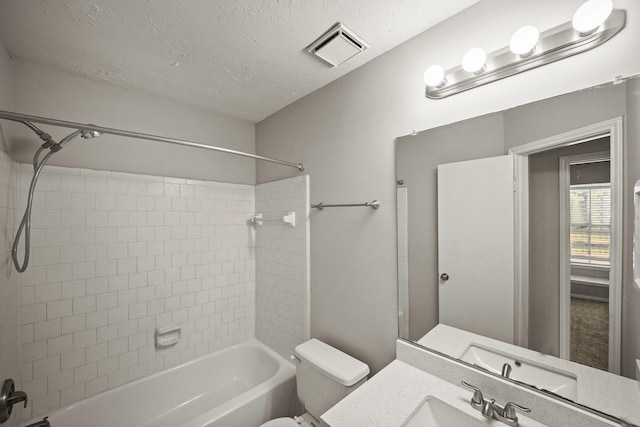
pixel 324 376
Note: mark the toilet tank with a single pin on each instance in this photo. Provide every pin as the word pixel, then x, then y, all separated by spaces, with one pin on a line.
pixel 325 375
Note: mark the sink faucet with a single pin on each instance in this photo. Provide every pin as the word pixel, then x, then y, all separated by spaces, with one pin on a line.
pixel 9 397
pixel 488 409
pixel 491 410
pixel 477 400
pixel 506 370
pixel 508 414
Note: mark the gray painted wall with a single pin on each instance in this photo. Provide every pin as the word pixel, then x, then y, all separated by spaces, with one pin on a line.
pixel 345 134
pixel 560 114
pixel 45 91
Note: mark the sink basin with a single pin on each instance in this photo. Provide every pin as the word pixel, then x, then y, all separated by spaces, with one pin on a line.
pixel 543 377
pixel 434 412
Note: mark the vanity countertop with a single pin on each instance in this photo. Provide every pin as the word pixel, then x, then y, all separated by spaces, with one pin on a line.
pixel 392 395
pixel 610 393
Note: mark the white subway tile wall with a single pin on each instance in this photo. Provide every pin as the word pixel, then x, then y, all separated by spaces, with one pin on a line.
pixel 9 290
pixel 116 255
pixel 282 265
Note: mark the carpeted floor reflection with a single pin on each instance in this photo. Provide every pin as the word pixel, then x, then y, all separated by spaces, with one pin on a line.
pixel 590 333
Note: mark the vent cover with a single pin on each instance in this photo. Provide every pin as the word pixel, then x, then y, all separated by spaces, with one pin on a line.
pixel 337 45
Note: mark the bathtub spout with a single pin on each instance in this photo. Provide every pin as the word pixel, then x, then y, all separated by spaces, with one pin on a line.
pixel 42 423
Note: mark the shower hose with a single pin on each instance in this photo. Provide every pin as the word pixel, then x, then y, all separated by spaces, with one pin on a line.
pixel 38 165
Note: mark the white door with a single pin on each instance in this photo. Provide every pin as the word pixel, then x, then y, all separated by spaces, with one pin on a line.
pixel 476 246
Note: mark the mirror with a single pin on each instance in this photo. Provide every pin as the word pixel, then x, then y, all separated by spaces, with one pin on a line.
pixel 516 240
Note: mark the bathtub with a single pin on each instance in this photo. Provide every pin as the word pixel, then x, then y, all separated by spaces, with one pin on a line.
pixel 244 385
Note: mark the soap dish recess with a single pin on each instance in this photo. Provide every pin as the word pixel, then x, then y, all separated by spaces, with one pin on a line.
pixel 168 335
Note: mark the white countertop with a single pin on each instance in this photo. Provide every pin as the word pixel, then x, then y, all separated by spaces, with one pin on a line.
pixel 598 389
pixel 392 395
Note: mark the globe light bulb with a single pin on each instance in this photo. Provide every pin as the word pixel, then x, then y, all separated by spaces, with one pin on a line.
pixel 473 61
pixel 523 42
pixel 591 15
pixel 434 76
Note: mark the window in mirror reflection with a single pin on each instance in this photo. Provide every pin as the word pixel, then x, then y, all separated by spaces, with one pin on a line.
pixel 590 258
pixel 590 206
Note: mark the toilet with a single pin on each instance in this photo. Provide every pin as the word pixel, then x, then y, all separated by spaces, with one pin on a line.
pixel 324 376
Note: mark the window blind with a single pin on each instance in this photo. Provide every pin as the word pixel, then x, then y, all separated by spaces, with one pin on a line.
pixel 590 211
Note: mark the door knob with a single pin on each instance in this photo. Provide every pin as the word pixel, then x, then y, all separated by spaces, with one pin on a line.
pixel 444 277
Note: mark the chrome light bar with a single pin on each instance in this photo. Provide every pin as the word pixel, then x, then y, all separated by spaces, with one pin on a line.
pixel 554 44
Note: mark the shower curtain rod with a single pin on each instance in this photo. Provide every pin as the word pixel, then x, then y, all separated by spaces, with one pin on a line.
pixel 18 117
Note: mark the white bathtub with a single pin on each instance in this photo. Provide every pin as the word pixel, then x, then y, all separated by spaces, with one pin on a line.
pixel 244 385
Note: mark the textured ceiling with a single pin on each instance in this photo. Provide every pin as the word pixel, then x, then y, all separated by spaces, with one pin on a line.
pixel 243 59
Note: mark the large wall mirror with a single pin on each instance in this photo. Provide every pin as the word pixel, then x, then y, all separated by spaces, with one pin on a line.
pixel 516 242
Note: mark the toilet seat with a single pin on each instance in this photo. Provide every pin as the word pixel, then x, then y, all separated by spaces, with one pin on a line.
pixel 281 422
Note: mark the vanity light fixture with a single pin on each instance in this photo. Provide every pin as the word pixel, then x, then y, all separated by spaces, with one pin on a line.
pixel 591 15
pixel 523 42
pixel 593 23
pixel 434 76
pixel 473 61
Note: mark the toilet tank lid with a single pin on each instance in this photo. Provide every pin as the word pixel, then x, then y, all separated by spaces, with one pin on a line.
pixel 339 366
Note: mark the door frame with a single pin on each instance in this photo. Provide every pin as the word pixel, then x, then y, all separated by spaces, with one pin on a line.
pixel 565 244
pixel 614 129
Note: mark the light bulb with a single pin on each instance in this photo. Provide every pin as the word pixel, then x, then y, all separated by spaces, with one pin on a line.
pixel 591 15
pixel 523 42
pixel 473 61
pixel 434 76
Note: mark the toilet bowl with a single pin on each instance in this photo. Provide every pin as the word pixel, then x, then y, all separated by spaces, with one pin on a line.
pixel 324 376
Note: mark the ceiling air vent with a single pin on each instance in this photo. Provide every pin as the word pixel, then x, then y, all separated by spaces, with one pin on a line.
pixel 337 45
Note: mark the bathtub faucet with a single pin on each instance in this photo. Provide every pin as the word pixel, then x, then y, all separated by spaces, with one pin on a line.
pixel 9 397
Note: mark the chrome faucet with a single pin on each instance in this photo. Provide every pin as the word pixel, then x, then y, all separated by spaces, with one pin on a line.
pixel 17 397
pixel 508 414
pixel 9 397
pixel 491 410
pixel 506 370
pixel 477 400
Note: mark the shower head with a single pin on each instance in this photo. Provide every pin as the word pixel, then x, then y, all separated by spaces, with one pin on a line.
pixel 88 134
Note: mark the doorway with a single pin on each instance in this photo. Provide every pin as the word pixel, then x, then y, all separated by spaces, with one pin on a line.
pixel 527 272
pixel 585 247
